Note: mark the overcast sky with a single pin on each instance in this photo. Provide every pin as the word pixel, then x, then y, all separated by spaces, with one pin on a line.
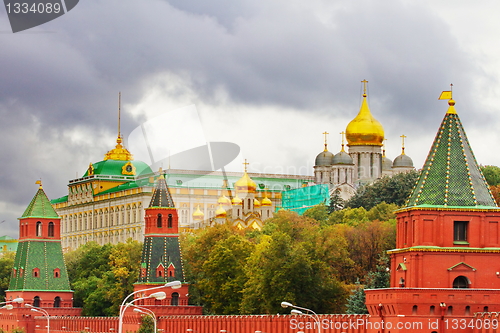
pixel 269 76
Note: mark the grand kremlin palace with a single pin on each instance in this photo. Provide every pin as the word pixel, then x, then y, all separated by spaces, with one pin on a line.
pixel 107 203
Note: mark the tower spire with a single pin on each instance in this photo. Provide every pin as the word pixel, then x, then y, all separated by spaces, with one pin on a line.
pixel 326 133
pixel 119 113
pixel 403 144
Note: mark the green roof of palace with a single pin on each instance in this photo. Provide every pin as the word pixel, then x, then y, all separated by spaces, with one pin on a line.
pixel 114 168
pixel 451 175
pixel 202 181
pixel 40 206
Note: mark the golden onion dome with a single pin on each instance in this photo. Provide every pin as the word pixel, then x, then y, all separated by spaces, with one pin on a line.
pixel 220 212
pixel 223 200
pixel 236 200
pixel 267 202
pixel 245 184
pixel 364 130
pixel 198 214
pixel 256 203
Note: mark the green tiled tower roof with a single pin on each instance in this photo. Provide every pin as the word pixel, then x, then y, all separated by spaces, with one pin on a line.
pixel 40 206
pixel 451 176
pixel 46 257
pixel 161 195
pixel 161 251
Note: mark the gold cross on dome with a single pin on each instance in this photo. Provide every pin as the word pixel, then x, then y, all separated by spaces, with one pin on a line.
pixel 245 164
pixel 364 86
pixel 325 133
pixel 403 143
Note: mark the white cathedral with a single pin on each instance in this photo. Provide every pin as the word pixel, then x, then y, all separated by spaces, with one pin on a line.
pixel 364 162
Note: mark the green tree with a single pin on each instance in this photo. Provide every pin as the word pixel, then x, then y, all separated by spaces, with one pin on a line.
pixel 382 212
pixel 392 190
pixel 336 201
pixel 6 266
pixel 101 276
pixel 380 277
pixel 349 216
pixel 224 275
pixel 318 212
pixel 356 301
pixel 289 264
pixel 492 174
pixel 147 325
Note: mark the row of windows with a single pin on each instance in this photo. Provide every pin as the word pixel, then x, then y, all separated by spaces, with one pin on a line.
pixel 39 229
pixel 101 219
pixel 35 272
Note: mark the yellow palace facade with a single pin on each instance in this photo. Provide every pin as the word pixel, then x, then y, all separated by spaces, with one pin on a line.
pixel 107 203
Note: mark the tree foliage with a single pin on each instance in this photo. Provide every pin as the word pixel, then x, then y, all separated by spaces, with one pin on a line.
pixel 147 325
pixel 391 190
pixel 6 266
pixel 311 260
pixel 102 276
pixel 491 174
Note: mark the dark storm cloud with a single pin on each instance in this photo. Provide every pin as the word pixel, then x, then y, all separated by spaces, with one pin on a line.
pixel 285 54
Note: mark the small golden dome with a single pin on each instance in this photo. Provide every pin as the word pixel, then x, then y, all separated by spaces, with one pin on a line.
pixel 224 200
pixel 364 130
pixel 236 200
pixel 220 212
pixel 245 184
pixel 198 214
pixel 267 202
pixel 256 203
pixel 120 153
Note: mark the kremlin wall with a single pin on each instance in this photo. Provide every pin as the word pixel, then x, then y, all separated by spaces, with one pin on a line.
pixel 444 271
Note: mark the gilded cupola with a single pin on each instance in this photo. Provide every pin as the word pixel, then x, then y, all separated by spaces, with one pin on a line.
pixel 245 183
pixel 364 129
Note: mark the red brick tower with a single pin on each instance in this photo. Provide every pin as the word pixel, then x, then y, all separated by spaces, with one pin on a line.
pixel 446 265
pixel 161 256
pixel 39 274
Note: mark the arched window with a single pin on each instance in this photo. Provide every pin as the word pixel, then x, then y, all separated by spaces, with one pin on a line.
pixel 36 301
pixel 170 220
pixel 414 310
pixel 57 273
pixel 57 302
pixel 51 229
pixel 36 272
pixel 39 229
pixel 485 309
pixel 159 221
pixel 175 299
pixel 461 282
pixel 467 310
pixel 432 309
pixel 450 310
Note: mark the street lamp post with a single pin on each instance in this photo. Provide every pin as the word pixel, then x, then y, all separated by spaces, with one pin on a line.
pixel 42 311
pixel 124 305
pixel 15 300
pixel 312 314
pixel 147 312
